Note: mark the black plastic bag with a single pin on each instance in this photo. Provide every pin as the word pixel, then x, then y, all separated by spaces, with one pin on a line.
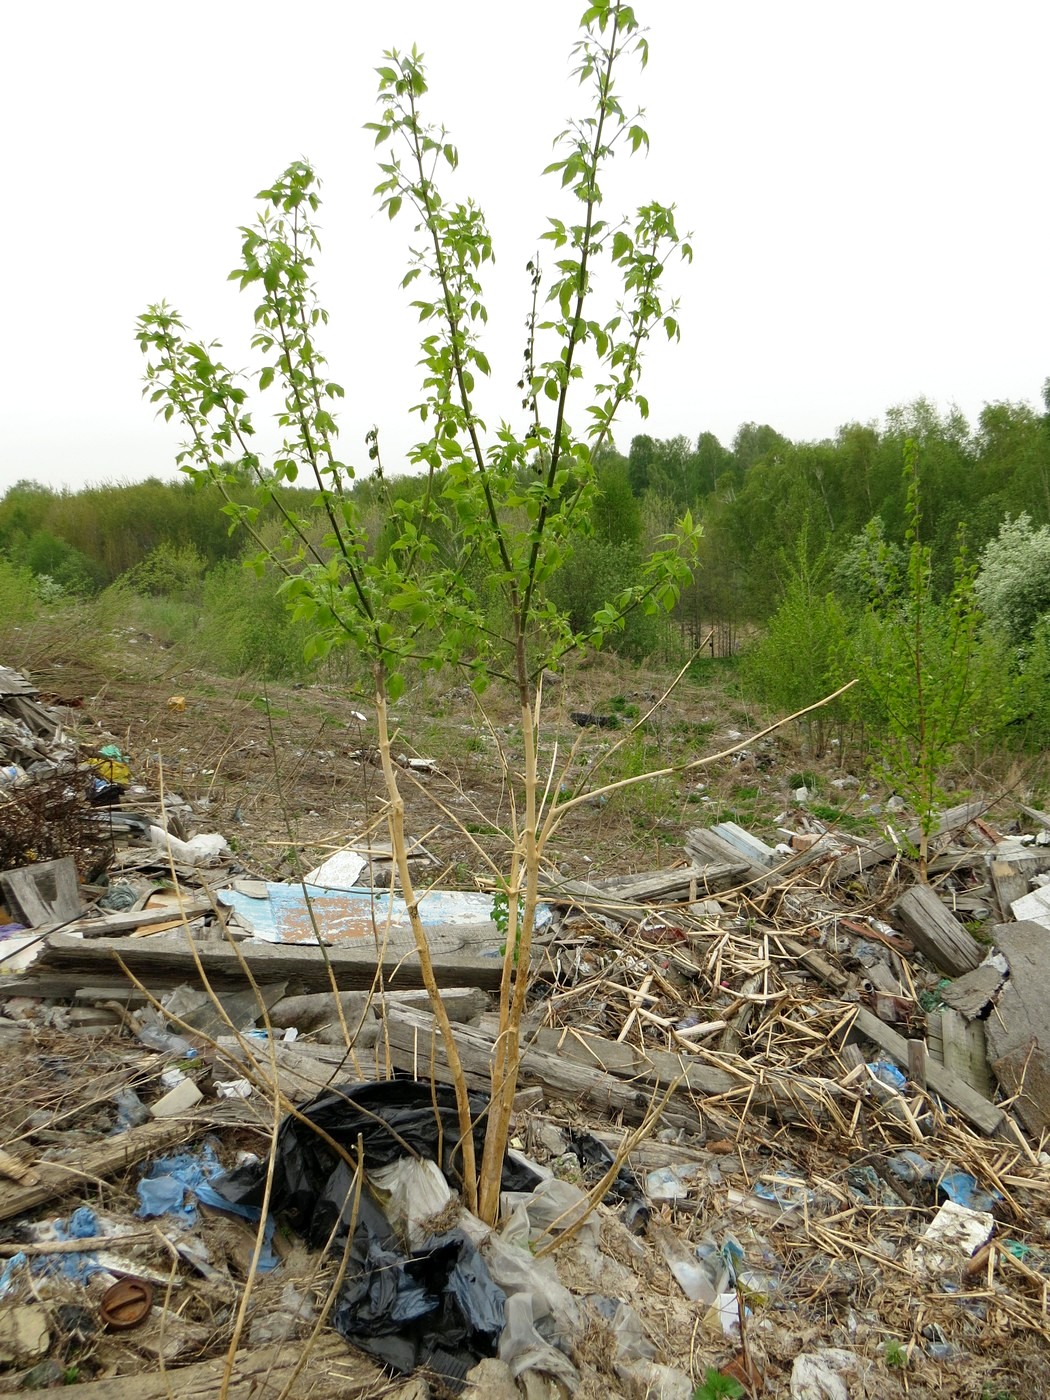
pixel 436 1306
pixel 394 1118
pixel 592 1152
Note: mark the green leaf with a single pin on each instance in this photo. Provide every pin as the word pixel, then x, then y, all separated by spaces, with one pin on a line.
pixel 622 244
pixel 395 686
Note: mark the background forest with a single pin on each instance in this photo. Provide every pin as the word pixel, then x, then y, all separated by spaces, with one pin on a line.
pixel 814 560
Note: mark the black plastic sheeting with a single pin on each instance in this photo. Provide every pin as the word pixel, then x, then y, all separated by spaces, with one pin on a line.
pixel 436 1307
pixel 593 1153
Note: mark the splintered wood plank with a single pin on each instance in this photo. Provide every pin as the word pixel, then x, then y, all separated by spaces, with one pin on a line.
pixel 1018 1030
pixel 45 893
pixel 965 1052
pixel 936 932
pixel 868 854
pixel 110 1157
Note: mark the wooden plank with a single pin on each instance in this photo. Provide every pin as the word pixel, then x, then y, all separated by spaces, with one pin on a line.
pixel 917 1063
pixel 965 1052
pixel 936 932
pixel 415 1045
pixel 333 1372
pixel 1010 882
pixel 974 1107
pixel 113 1155
pixel 1012 872
pixel 704 846
pixel 45 893
pixel 1018 1033
pixel 618 1077
pixel 934 1037
pixel 113 925
pixel 869 854
pixel 167 960
pixel 630 897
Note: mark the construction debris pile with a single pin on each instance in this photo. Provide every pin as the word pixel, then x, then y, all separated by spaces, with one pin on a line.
pixel 811 1091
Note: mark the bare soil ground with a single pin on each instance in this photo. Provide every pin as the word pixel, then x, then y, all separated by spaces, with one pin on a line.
pixel 285 772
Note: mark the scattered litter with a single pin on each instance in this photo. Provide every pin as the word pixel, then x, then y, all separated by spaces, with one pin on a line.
pixel 841 1091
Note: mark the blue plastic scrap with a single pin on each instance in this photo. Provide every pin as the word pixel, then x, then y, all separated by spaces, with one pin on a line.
pixel 889 1075
pixel 175 1186
pixel 962 1190
pixel 912 1167
pixel 83 1225
pixel 9 1274
pixel 784 1189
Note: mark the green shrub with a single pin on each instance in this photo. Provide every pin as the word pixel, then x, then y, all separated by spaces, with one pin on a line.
pixel 1013 584
pixel 245 626
pixel 804 654
pixel 19 603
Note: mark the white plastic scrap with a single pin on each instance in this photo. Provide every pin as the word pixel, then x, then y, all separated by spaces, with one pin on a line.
pixel 205 849
pixel 417 1192
pixel 819 1375
pixel 233 1089
pixel 954 1235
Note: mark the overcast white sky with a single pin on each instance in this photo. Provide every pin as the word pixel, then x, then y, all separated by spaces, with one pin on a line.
pixel 866 185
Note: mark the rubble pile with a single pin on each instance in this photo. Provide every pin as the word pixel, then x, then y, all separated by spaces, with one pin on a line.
pixel 805 1092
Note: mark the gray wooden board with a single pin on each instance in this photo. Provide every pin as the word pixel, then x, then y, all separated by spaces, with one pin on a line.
pixel 45 893
pixel 630 896
pixel 111 925
pixel 705 846
pixel 166 959
pixel 784 1094
pixel 874 853
pixel 964 1052
pixel 974 1107
pixel 416 1045
pixel 1018 1029
pixel 111 1156
pixel 333 1372
pixel 936 932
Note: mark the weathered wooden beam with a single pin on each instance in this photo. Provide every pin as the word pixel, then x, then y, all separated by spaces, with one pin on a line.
pixel 45 893
pixel 166 961
pixel 690 1073
pixel 868 854
pixel 113 925
pixel 965 1052
pixel 416 1045
pixel 332 1372
pixel 936 932
pixel 630 896
pixel 113 1155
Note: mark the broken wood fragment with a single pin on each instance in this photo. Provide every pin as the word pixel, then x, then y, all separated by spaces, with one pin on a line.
pixel 1018 1028
pixel 869 854
pixel 106 1160
pixel 936 932
pixel 45 893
